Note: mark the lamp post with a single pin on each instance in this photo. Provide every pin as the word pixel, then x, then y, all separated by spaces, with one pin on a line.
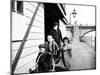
pixel 74 15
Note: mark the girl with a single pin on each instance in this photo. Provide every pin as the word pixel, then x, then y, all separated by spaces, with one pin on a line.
pixel 66 53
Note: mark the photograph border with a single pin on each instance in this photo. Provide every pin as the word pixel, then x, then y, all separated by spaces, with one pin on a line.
pixel 44 35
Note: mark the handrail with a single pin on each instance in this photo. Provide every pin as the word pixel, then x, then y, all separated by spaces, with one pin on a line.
pixel 17 57
pixel 88 32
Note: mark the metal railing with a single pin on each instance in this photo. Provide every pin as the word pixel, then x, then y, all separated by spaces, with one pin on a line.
pixel 90 41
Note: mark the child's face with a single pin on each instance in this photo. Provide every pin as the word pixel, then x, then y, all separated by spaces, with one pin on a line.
pixel 65 42
pixel 50 39
pixel 42 49
pixel 55 27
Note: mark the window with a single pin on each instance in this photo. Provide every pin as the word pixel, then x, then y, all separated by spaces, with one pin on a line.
pixel 20 6
pixel 17 6
pixel 13 5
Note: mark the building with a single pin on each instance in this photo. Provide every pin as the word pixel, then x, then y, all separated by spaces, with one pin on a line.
pixel 25 40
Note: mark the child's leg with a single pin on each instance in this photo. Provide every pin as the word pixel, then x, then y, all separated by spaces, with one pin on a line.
pixel 70 52
pixel 57 57
pixel 53 63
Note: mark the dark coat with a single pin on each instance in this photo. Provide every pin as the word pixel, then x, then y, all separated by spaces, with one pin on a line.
pixel 52 48
pixel 56 34
pixel 45 63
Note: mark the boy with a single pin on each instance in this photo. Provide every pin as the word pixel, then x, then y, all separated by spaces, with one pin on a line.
pixel 41 50
pixel 44 61
pixel 52 47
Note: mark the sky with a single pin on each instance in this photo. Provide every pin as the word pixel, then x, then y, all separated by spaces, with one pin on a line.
pixel 85 14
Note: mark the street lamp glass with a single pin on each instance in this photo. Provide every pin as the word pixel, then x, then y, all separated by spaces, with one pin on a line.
pixel 74 13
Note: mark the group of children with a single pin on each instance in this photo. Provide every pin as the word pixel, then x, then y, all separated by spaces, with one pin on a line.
pixel 56 52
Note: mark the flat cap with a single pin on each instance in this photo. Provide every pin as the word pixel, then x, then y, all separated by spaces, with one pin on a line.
pixel 42 46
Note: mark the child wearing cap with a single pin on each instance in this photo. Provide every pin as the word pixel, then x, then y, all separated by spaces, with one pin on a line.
pixel 41 50
pixel 44 61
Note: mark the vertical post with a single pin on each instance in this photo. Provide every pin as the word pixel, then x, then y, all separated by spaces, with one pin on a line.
pixel 91 41
pixel 17 57
pixel 70 18
pixel 80 32
pixel 15 6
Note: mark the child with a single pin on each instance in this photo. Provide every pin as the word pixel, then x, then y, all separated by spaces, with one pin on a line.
pixel 66 53
pixel 45 59
pixel 41 51
pixel 42 48
pixel 52 47
pixel 56 33
pixel 44 62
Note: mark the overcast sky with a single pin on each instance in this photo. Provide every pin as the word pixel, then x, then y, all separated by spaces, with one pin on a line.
pixel 85 14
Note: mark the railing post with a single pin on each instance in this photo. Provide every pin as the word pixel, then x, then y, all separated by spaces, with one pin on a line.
pixel 91 41
pixel 17 57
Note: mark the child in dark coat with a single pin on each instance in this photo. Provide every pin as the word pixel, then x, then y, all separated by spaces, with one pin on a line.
pixel 44 61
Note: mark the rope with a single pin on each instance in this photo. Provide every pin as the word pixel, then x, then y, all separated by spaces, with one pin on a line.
pixel 41 55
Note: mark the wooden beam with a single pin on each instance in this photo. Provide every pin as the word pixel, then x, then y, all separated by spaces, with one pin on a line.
pixel 17 57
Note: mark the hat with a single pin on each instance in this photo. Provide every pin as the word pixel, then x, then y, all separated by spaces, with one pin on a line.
pixel 42 46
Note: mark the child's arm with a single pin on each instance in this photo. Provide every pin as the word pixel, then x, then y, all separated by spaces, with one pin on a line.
pixel 57 47
pixel 37 57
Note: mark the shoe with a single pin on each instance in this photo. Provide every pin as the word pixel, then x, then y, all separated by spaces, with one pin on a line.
pixel 30 70
pixel 57 60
